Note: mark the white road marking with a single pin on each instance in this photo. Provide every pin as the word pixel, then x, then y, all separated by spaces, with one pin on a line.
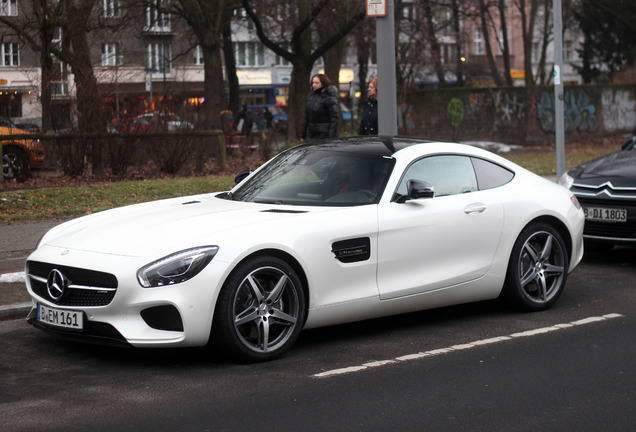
pixel 440 351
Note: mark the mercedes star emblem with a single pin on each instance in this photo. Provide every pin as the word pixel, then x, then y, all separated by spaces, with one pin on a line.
pixel 56 284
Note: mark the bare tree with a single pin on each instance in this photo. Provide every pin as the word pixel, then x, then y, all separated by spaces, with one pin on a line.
pixel 288 28
pixel 528 12
pixel 207 20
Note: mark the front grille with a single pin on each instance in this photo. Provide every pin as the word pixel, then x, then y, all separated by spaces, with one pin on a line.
pixel 608 229
pixel 87 287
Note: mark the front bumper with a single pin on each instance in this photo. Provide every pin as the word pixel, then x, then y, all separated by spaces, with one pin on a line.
pixel 176 315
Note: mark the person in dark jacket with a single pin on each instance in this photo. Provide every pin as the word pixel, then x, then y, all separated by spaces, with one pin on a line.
pixel 369 123
pixel 321 112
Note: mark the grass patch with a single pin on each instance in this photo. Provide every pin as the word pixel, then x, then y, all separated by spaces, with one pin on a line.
pixel 544 162
pixel 66 201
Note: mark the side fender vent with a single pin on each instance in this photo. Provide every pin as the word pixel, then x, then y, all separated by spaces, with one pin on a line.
pixel 352 250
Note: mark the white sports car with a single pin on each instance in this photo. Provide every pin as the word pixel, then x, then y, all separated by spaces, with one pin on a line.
pixel 326 233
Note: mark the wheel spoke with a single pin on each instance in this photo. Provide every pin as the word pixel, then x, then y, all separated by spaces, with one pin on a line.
pixel 541 285
pixel 554 270
pixel 250 314
pixel 263 335
pixel 529 276
pixel 533 254
pixel 276 293
pixel 547 249
pixel 283 317
pixel 256 288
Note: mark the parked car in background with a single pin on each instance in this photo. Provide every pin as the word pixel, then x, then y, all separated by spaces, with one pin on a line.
pixel 326 233
pixel 154 122
pixel 19 156
pixel 279 116
pixel 606 188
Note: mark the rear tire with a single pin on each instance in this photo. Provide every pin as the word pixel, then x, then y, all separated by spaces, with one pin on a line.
pixel 260 311
pixel 538 268
pixel 15 163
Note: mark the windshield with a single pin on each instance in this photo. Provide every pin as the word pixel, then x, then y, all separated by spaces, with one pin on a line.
pixel 311 176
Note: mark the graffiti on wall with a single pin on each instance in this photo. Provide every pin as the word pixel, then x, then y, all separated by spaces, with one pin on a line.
pixel 406 121
pixel 619 110
pixel 579 113
pixel 509 106
pixel 455 112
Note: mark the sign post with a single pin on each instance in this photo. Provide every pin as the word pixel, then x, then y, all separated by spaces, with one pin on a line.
pixel 383 11
pixel 558 89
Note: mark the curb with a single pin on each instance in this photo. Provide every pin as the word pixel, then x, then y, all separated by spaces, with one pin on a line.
pixel 15 311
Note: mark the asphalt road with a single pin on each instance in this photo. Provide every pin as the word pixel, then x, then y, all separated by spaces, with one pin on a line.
pixel 479 367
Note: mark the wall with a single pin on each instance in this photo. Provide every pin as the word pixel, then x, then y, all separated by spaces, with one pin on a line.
pixel 518 115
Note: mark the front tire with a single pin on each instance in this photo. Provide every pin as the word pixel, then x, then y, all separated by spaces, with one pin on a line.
pixel 261 310
pixel 538 268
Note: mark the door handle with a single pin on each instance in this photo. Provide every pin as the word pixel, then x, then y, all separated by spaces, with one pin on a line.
pixel 475 208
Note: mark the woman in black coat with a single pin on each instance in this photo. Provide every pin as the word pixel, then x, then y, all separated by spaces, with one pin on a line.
pixel 321 112
pixel 369 123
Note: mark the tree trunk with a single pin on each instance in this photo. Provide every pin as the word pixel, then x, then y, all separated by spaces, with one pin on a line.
pixel 459 58
pixel 436 51
pixel 484 15
pixel 214 93
pixel 89 102
pixel 298 89
pixel 505 42
pixel 230 64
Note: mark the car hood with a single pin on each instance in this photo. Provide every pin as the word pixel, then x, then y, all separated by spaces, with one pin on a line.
pixel 619 168
pixel 164 226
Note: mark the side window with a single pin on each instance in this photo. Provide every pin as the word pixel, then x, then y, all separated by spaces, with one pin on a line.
pixel 448 174
pixel 490 175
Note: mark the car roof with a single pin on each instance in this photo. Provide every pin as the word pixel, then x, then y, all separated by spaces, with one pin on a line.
pixel 371 145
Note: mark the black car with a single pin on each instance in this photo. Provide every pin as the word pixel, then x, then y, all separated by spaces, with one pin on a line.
pixel 606 188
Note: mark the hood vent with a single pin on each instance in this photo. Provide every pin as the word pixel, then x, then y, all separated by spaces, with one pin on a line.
pixel 283 211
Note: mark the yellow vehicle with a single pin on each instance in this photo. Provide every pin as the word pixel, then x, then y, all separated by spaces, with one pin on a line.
pixel 19 156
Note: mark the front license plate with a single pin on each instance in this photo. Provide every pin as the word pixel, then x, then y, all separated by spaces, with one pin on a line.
pixel 605 214
pixel 61 317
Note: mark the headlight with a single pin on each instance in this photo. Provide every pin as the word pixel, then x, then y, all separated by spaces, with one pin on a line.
pixel 566 180
pixel 176 268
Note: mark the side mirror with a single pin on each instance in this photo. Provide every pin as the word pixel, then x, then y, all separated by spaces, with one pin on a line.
pixel 241 175
pixel 417 189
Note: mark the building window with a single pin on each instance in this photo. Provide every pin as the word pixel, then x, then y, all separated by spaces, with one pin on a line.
pixel 111 8
pixel 8 7
pixel 449 53
pixel 536 52
pixel 198 56
pixel 110 54
pixel 249 54
pixel 159 58
pixel 157 17
pixel 478 42
pixel 59 80
pixel 282 61
pixel 10 54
